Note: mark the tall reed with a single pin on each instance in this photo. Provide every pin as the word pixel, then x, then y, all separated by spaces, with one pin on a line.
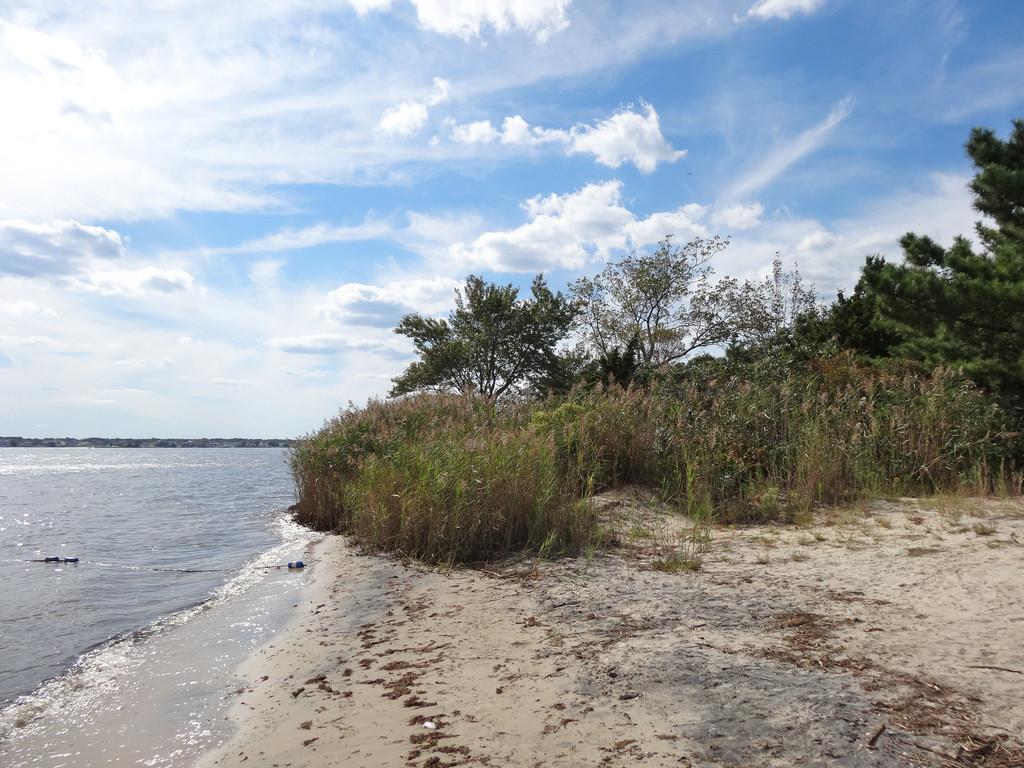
pixel 456 478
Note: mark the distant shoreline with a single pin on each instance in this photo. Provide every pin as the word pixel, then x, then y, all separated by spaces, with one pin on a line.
pixel 147 442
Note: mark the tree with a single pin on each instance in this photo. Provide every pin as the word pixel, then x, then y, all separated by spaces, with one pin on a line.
pixel 663 303
pixel 854 322
pixel 769 311
pixel 958 306
pixel 493 343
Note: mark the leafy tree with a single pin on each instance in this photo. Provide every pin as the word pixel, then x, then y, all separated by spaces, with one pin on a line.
pixel 664 303
pixel 960 306
pixel 769 311
pixel 493 343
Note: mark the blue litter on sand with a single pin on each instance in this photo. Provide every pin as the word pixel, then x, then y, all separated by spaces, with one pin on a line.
pixel 297 564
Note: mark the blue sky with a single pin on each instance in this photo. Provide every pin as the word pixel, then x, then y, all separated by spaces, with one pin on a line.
pixel 211 217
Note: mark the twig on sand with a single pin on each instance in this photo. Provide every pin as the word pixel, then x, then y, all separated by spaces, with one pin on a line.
pixel 877 733
pixel 938 752
pixel 998 669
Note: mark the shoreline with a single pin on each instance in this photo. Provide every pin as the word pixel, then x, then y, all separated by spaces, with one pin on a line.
pixel 858 642
pixel 174 676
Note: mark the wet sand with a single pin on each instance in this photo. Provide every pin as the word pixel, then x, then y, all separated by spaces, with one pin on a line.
pixel 888 635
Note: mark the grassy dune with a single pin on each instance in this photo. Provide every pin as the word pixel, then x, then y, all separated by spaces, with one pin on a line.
pixel 449 479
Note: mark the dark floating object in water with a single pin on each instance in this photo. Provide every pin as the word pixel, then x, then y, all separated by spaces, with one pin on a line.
pixel 55 559
pixel 296 564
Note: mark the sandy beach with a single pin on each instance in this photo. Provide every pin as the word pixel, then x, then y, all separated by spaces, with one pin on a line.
pixel 885 635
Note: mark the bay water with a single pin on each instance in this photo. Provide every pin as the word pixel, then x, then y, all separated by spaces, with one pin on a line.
pixel 128 656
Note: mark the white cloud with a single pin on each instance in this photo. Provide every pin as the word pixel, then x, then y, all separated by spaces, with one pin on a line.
pixel 307 373
pixel 480 132
pixel 831 254
pixel 85 258
pixel 426 233
pixel 421 233
pixel 783 9
pixel 409 117
pixel 143 109
pixel 38 342
pixel 440 93
pixel 568 231
pixel 265 273
pixel 514 130
pixel 784 155
pixel 144 363
pixel 363 7
pixel 625 137
pixel 739 217
pixel 466 18
pixel 87 400
pixel 332 344
pixel 25 309
pixel 53 249
pixel 135 282
pixel 384 305
pixel 815 241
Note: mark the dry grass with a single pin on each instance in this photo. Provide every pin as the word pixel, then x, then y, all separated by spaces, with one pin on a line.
pixel 452 479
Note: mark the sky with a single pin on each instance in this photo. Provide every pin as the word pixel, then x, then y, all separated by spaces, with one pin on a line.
pixel 212 215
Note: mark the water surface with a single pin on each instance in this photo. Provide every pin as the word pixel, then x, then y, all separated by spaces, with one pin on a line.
pixel 128 656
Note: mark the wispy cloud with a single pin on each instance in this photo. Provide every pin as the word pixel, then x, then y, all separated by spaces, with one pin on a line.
pixel 295 239
pixel 135 282
pixel 333 344
pixel 247 101
pixel 993 84
pixel 787 153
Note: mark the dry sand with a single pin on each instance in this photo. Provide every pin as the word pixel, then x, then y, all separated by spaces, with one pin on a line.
pixel 887 635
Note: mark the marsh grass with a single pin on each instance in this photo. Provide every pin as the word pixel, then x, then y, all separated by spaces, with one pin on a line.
pixel 441 479
pixel 451 479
